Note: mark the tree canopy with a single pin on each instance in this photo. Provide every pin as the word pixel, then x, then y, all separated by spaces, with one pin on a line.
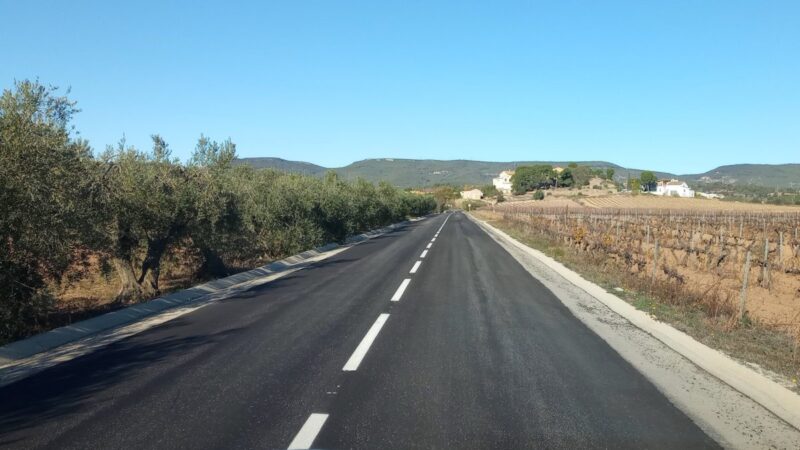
pixel 648 180
pixel 529 178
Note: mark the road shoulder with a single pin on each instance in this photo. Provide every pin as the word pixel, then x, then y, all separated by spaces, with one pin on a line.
pixel 735 405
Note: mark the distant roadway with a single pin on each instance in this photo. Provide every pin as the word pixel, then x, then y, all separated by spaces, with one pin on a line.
pixel 431 336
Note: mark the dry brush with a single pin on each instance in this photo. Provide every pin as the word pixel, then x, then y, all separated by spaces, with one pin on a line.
pixel 735 265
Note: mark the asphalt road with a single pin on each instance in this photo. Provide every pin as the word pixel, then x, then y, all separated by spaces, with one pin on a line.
pixel 476 353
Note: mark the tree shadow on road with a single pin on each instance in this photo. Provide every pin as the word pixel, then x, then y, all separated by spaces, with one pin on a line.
pixel 64 389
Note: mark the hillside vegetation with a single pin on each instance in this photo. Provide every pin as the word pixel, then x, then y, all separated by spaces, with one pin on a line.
pixel 771 175
pixel 63 209
pixel 282 165
pixel 428 172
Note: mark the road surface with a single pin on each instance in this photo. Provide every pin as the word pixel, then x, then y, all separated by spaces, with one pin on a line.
pixel 376 347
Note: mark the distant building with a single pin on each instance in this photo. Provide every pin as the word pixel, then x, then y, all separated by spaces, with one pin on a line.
pixel 673 188
pixel 473 194
pixel 558 169
pixel 710 195
pixel 503 181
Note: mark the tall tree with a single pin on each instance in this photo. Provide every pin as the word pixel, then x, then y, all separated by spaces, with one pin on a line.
pixel 565 178
pixel 45 195
pixel 648 180
pixel 528 178
pixel 635 186
pixel 151 206
pixel 217 225
pixel 582 175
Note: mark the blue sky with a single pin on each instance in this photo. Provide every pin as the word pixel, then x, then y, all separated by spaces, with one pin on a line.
pixel 680 86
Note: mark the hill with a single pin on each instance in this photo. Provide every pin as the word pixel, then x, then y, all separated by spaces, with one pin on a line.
pixel 282 164
pixel 427 172
pixel 770 175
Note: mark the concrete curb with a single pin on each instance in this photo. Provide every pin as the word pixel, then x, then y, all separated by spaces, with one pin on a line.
pixel 15 352
pixel 777 399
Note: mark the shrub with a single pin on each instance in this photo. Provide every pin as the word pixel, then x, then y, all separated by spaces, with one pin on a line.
pixel 538 195
pixel 470 205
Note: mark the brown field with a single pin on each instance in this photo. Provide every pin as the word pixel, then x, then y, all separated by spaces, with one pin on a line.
pixel 593 199
pixel 647 201
pixel 702 251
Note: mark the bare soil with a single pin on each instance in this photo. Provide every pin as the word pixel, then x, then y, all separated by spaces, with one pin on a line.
pixel 649 201
pixel 90 289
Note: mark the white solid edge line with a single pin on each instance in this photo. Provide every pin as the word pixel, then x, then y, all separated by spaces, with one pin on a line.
pixel 366 343
pixel 308 432
pixel 399 292
pixel 424 253
pixel 429 244
pixel 416 267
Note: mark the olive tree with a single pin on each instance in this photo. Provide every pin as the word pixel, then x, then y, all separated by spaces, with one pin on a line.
pixel 45 195
pixel 150 207
pixel 217 226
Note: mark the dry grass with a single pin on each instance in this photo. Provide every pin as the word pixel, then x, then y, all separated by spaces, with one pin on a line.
pixel 604 198
pixel 90 289
pixel 648 201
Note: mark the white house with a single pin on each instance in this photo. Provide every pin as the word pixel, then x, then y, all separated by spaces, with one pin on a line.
pixel 503 181
pixel 673 188
pixel 472 194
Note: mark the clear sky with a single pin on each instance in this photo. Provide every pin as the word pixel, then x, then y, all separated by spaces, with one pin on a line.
pixel 679 86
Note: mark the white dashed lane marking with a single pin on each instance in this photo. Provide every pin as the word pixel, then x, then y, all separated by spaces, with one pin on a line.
pixel 305 437
pixel 366 343
pixel 399 292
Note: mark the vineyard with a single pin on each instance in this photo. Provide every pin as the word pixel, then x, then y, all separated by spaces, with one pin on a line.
pixel 735 264
pixel 672 203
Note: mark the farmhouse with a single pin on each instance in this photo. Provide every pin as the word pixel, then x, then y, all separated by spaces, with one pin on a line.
pixel 673 188
pixel 503 181
pixel 472 194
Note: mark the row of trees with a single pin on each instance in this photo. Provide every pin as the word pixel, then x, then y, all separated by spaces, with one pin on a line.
pixel 60 204
pixel 544 176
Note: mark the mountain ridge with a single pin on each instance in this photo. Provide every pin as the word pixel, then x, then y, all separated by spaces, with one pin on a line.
pixel 404 172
